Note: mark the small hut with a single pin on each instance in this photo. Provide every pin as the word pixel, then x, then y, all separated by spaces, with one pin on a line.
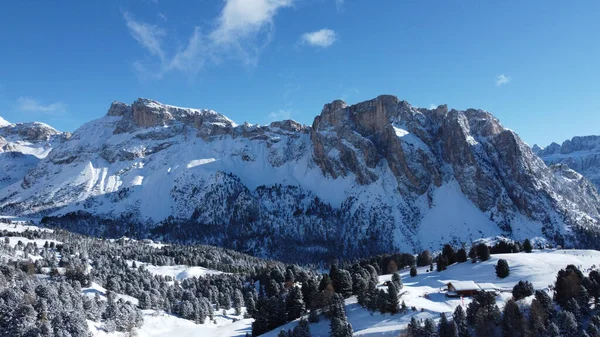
pixel 462 288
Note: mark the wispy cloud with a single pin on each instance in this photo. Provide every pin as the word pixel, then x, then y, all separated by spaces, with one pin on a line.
pixel 502 79
pixel 30 105
pixel 432 106
pixel 339 5
pixel 148 36
pixel 241 31
pixel 321 38
pixel 279 115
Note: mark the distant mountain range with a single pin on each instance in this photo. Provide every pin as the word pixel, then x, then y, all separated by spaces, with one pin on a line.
pixel 373 177
pixel 581 154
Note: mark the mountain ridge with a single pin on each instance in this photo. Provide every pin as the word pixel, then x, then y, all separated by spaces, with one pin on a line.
pixel 580 153
pixel 376 176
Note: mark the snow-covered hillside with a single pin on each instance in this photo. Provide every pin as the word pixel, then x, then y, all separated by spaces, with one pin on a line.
pixel 22 146
pixel 383 173
pixel 426 290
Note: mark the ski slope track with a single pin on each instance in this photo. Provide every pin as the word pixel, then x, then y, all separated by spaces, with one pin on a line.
pixel 373 177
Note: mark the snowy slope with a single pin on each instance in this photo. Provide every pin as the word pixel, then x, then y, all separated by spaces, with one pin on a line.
pixel 425 291
pixel 412 178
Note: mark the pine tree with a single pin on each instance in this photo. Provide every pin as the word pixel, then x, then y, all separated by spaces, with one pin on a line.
pixel 522 289
pixel 238 301
pixel 429 329
pixel 553 330
pixel 513 323
pixel 483 252
pixel 484 322
pixel 392 303
pixel 309 292
pixel 460 321
pixel 502 269
pixel 397 280
pixel 250 304
pixel 540 312
pixel 424 259
pixel 414 328
pixel 567 284
pixel 573 307
pixel 260 324
pixel 302 329
pixel 413 271
pixel 382 299
pixel 567 323
pixel 341 281
pixel 449 253
pixel 442 262
pixel 294 304
pixel 461 255
pixel 340 328
pixel 527 247
pixel 144 301
pixel 446 328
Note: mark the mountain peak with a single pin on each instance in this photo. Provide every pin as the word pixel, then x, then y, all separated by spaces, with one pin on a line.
pixel 148 113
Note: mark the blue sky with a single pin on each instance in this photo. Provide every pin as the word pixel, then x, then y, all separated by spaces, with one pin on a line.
pixel 534 64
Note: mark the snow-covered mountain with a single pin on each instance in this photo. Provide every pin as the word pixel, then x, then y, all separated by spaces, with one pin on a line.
pixel 22 146
pixel 372 177
pixel 581 154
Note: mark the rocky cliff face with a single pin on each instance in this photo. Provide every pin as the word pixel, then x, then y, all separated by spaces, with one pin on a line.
pixel 22 146
pixel 367 178
pixel 581 154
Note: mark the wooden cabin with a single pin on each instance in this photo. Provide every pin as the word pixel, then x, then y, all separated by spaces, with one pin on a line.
pixel 462 288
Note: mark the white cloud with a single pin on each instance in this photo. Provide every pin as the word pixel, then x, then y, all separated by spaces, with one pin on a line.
pixel 320 38
pixel 432 106
pixel 339 5
pixel 240 32
pixel 149 36
pixel 30 105
pixel 243 18
pixel 280 115
pixel 502 79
